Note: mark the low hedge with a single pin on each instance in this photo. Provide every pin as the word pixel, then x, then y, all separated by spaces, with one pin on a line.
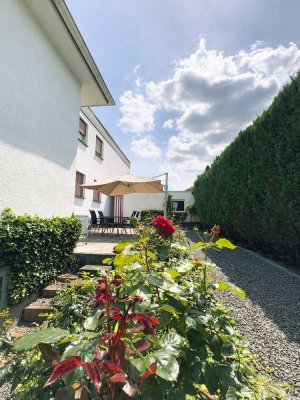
pixel 150 214
pixel 36 250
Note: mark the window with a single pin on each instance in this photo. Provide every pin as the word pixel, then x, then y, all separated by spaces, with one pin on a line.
pixel 99 147
pixel 177 205
pixel 96 195
pixel 82 134
pixel 79 181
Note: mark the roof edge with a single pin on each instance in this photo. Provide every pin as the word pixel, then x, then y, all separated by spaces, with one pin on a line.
pixel 101 128
pixel 70 24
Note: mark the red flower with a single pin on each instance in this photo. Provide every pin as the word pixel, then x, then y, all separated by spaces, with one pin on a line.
pixel 197 260
pixel 163 226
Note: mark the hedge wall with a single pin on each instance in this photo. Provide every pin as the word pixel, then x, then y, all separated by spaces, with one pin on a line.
pixel 36 250
pixel 253 188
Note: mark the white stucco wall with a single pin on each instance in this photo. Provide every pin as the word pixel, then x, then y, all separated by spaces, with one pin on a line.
pixel 153 201
pixel 39 109
pixel 95 168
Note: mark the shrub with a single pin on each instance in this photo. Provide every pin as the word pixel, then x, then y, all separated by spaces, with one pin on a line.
pixel 36 250
pixel 149 215
pixel 149 329
pixel 251 188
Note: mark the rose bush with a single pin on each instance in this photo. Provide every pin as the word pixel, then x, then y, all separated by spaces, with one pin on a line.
pixel 151 328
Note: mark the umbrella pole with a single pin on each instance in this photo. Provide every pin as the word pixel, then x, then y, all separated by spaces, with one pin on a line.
pixel 166 194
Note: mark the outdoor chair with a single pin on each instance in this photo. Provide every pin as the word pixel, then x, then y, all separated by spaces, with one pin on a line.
pixel 94 222
pixel 105 222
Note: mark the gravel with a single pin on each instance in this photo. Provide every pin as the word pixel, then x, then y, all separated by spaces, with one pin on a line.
pixel 269 316
pixel 5 393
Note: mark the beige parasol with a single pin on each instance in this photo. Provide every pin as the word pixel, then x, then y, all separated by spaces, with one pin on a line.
pixel 125 184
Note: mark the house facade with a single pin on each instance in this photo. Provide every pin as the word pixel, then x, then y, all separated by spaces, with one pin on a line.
pixel 98 157
pixel 180 200
pixel 46 75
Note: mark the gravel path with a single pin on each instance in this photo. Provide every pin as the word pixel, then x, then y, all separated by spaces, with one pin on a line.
pixel 269 317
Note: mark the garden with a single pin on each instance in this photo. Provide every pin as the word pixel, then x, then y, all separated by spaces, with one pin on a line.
pixel 150 328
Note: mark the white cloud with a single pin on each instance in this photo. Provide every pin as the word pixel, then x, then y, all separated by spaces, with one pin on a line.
pixel 214 96
pixel 138 114
pixel 145 148
pixel 168 124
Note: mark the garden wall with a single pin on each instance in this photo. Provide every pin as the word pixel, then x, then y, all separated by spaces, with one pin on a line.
pixel 252 188
pixel 35 250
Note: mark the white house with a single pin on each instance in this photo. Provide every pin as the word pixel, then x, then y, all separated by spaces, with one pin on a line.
pixel 98 157
pixel 46 74
pixel 155 201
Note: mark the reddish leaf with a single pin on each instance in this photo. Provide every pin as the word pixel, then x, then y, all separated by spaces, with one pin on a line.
pixel 140 345
pixel 120 353
pixel 111 366
pixel 94 374
pixel 115 310
pixel 120 377
pixel 64 367
pixel 150 371
pixel 100 355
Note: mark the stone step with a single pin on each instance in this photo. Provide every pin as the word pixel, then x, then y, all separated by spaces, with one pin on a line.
pixel 66 277
pixel 90 258
pixel 51 290
pixel 93 269
pixel 32 312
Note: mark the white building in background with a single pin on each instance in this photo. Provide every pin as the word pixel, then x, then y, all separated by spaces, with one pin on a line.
pixel 98 157
pixel 155 201
pixel 46 74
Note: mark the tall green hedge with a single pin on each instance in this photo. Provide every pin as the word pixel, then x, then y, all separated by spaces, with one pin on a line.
pixel 36 250
pixel 253 188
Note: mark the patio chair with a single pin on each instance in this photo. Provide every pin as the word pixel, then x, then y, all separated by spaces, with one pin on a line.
pixel 94 222
pixel 105 222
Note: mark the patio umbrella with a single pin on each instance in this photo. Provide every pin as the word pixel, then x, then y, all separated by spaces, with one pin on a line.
pixel 125 184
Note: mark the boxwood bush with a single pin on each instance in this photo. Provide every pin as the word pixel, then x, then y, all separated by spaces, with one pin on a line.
pixel 252 188
pixel 36 250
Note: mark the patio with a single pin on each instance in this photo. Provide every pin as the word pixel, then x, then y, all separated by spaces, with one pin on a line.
pixel 99 245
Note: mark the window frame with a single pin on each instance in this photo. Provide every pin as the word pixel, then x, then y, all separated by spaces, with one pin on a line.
pixel 102 146
pixel 178 201
pixel 77 187
pixel 96 192
pixel 83 136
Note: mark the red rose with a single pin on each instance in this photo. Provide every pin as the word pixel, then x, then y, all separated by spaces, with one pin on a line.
pixel 163 226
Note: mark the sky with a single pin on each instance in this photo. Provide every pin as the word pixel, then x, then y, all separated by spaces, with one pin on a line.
pixel 187 75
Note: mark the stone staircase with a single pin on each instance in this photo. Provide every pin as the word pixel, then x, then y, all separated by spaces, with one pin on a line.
pixel 44 304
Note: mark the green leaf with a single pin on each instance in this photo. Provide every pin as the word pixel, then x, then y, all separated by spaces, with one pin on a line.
pixel 48 335
pixel 185 266
pixel 221 243
pixel 122 245
pixel 199 317
pixel 231 394
pixel 154 280
pixel 198 244
pixel 85 349
pixel 227 349
pixel 143 362
pixel 173 274
pixel 169 309
pixel 172 343
pixel 90 324
pixel 167 365
pixel 235 289
pixel 163 252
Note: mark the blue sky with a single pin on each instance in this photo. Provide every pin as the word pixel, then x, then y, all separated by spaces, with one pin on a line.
pixel 187 75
